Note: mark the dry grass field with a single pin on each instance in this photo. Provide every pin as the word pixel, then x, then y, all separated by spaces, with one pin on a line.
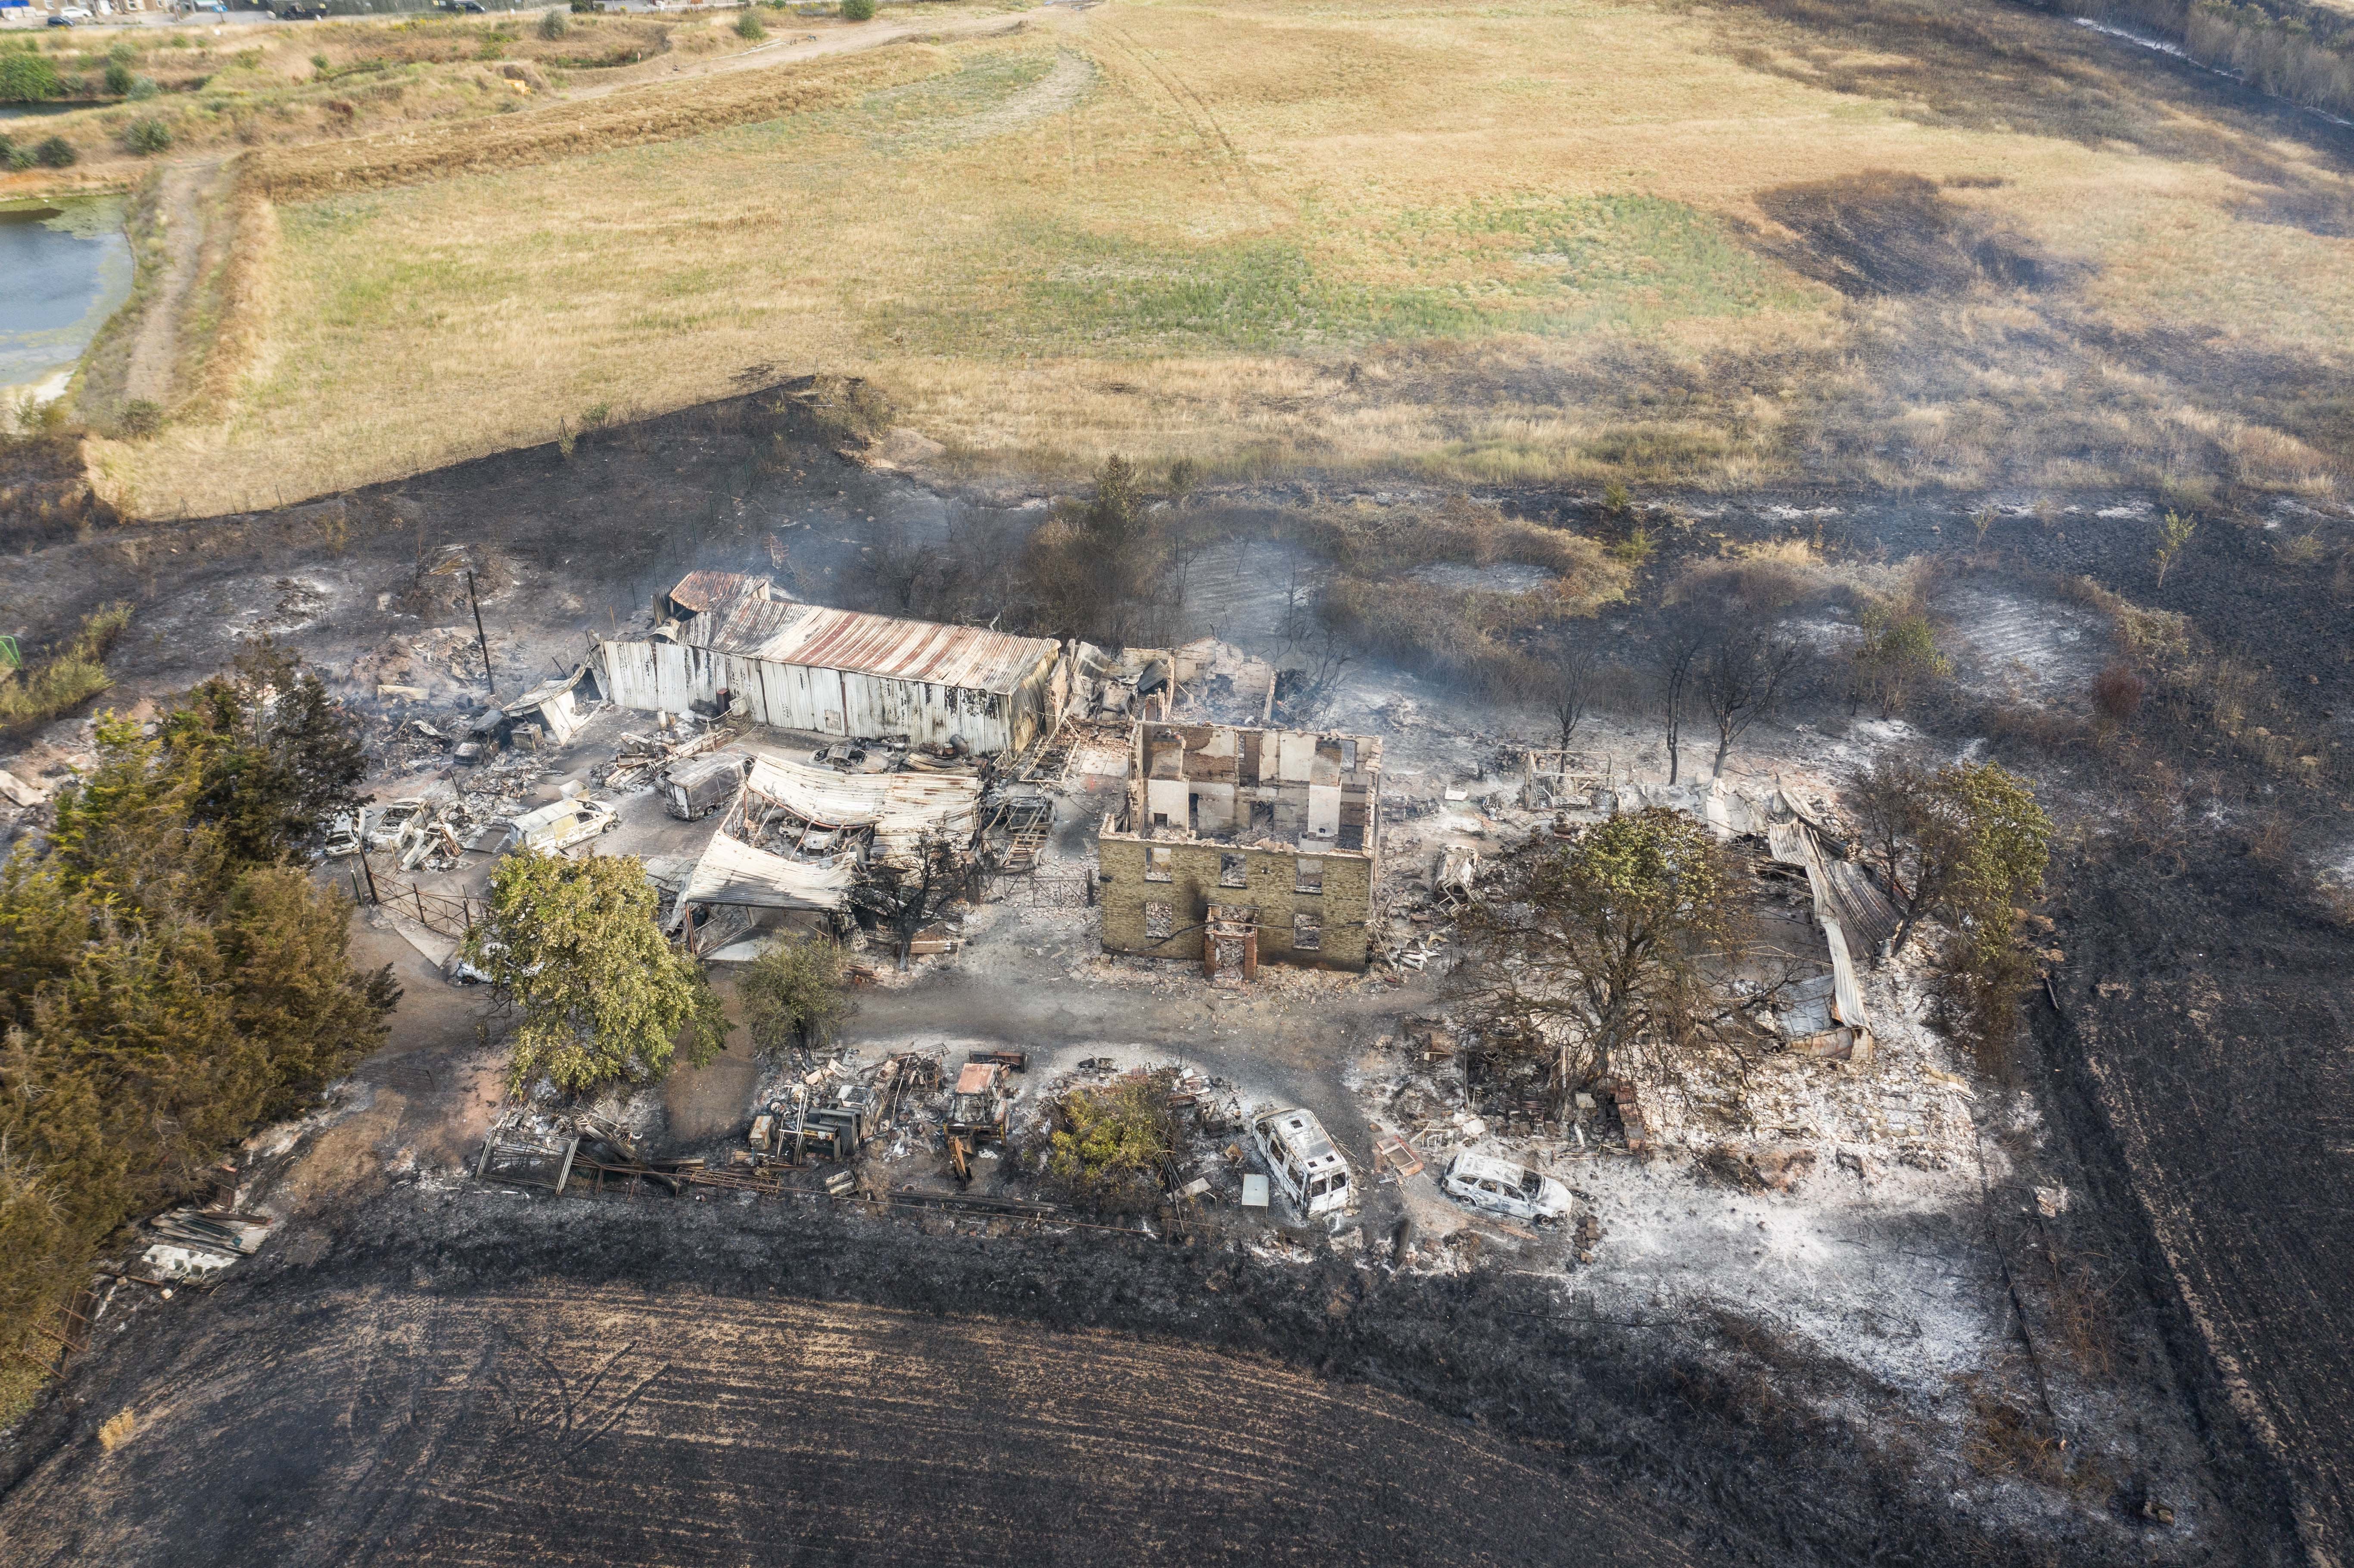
pixel 1557 240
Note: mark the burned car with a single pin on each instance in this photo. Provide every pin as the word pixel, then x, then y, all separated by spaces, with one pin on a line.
pixel 694 789
pixel 1500 1187
pixel 552 830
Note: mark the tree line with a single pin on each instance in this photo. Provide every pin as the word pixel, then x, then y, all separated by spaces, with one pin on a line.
pixel 170 976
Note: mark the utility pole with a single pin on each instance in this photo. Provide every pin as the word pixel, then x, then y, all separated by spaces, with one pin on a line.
pixel 488 680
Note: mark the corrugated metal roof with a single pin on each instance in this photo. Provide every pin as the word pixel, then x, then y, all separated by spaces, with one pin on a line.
pixel 734 612
pixel 698 591
pixel 895 803
pixel 733 872
pixel 963 656
pixel 743 625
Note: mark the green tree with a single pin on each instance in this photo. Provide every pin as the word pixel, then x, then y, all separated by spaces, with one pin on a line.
pixel 1613 949
pixel 554 25
pixel 274 756
pixel 148 137
pixel 1964 844
pixel 55 153
pixel 1897 655
pixel 118 78
pixel 792 995
pixel 167 981
pixel 857 10
pixel 749 26
pixel 573 946
pixel 26 77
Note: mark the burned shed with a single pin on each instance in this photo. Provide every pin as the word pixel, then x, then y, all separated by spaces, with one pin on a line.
pixel 735 642
pixel 1270 835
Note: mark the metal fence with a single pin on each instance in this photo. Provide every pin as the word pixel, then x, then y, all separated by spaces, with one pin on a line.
pixel 439 911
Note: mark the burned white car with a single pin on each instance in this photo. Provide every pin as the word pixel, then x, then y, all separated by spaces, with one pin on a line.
pixel 552 830
pixel 380 826
pixel 1500 1187
pixel 1305 1166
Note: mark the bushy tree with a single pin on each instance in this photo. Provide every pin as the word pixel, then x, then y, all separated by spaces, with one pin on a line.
pixel 274 755
pixel 554 25
pixel 27 78
pixel 602 996
pixel 792 995
pixel 1108 1145
pixel 857 10
pixel 148 137
pixel 1618 947
pixel 748 26
pixel 168 979
pixel 1964 845
pixel 1102 567
pixel 1896 656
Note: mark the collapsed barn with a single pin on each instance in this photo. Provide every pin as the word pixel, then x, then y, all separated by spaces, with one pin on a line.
pixel 732 643
pixel 1236 845
pixel 798 838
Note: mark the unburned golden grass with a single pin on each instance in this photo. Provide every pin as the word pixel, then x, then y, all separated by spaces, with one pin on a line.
pixel 1533 246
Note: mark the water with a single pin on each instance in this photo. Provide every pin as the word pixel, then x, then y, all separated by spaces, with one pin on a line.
pixel 69 267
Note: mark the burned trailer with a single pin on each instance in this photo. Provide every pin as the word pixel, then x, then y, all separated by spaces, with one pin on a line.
pixel 737 645
pixel 694 789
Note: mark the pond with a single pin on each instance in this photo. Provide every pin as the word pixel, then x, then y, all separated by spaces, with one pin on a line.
pixel 68 268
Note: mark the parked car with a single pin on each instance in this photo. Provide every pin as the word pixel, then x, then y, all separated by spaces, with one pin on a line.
pixel 61 20
pixel 1501 1187
pixel 1302 1161
pixel 552 830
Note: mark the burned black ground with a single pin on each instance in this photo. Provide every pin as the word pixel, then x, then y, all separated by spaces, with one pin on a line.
pixel 424 1389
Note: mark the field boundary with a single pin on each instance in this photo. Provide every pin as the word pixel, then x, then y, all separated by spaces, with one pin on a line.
pixel 628 117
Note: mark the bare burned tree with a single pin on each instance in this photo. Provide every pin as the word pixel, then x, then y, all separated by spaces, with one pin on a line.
pixel 1578 674
pixel 906 899
pixel 1626 945
pixel 1309 668
pixel 1740 681
pixel 1679 668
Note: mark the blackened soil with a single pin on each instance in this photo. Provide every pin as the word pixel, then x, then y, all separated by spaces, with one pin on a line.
pixel 486 1379
pixel 2204 1027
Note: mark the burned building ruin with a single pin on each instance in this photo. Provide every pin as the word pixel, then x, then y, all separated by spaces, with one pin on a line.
pixel 1235 845
pixel 734 642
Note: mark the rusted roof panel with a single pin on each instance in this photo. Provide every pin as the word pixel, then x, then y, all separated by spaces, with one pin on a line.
pixel 698 591
pixel 966 657
pixel 743 625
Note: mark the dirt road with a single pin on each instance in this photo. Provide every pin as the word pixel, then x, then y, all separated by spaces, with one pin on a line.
pixel 155 348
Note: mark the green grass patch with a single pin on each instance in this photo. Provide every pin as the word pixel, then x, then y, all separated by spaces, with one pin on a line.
pixel 1553 267
pixel 67 678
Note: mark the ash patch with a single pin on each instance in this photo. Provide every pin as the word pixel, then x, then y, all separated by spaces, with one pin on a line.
pixel 2024 647
pixel 1505 577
